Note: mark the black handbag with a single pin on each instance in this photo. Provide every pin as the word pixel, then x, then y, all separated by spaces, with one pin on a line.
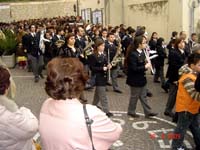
pixel 88 124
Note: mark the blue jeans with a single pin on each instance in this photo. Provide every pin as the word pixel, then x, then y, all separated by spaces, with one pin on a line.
pixel 186 120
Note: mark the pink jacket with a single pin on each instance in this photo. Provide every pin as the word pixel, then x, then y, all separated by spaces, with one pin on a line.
pixel 62 126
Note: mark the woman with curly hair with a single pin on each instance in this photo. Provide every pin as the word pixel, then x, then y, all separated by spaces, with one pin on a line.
pixel 62 120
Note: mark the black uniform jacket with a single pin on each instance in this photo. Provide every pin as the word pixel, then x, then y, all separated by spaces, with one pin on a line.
pixel 136 69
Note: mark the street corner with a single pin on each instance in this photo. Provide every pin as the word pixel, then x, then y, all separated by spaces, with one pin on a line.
pixel 146 133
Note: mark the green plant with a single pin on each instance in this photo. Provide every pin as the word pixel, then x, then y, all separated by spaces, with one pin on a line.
pixel 8 44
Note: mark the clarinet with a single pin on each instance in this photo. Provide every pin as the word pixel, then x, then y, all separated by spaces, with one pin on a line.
pixel 109 77
pixel 148 60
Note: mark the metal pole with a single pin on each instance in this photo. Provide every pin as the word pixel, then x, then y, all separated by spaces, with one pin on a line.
pixel 192 17
pixel 123 18
pixel 105 12
pixel 77 7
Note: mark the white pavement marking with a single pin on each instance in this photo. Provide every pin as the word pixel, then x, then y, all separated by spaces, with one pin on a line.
pixel 160 119
pixel 142 125
pixel 120 121
pixel 118 143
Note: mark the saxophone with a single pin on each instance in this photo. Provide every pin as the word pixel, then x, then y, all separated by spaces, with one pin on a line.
pixel 117 58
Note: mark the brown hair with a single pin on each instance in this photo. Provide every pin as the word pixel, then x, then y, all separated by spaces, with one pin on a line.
pixel 69 35
pixel 4 80
pixel 97 43
pixel 66 78
pixel 177 42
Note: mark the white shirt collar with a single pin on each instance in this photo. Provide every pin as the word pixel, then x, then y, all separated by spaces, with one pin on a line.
pixel 79 37
pixel 110 43
pixel 58 36
pixel 100 53
pixel 139 51
pixel 182 51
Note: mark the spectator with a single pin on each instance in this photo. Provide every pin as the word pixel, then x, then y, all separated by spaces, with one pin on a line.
pixel 188 104
pixel 62 121
pixel 17 125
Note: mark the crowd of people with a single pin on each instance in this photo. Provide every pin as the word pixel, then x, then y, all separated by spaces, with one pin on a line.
pixel 79 57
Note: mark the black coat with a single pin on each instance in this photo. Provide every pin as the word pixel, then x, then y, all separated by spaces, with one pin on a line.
pixel 80 43
pixel 97 62
pixel 171 50
pixel 187 49
pixel 136 69
pixel 177 60
pixel 152 44
pixel 68 52
pixel 159 61
pixel 48 49
pixel 33 45
pixel 127 39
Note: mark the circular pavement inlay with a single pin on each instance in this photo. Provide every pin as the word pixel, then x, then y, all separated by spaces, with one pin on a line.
pixel 146 133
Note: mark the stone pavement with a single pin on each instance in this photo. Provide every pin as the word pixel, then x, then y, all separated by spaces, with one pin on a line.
pixel 138 134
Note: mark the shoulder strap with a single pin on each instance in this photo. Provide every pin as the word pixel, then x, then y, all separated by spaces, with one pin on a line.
pixel 88 124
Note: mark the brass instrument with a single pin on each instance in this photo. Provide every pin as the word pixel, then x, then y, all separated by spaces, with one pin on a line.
pixel 59 43
pixel 88 50
pixel 117 58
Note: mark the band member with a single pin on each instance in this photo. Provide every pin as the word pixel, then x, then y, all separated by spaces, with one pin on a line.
pixel 193 41
pixel 177 59
pixel 153 51
pixel 111 52
pixel 186 49
pixel 48 53
pixel 80 40
pixel 104 34
pixel 70 50
pixel 127 39
pixel 159 63
pixel 34 53
pixel 136 77
pixel 99 67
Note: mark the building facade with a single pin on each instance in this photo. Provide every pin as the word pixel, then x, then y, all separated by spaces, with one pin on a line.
pixel 162 16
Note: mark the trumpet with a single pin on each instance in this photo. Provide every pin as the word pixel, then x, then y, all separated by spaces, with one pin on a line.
pixel 109 73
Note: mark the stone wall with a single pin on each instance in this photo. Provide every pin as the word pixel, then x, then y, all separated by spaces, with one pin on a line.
pixel 31 10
